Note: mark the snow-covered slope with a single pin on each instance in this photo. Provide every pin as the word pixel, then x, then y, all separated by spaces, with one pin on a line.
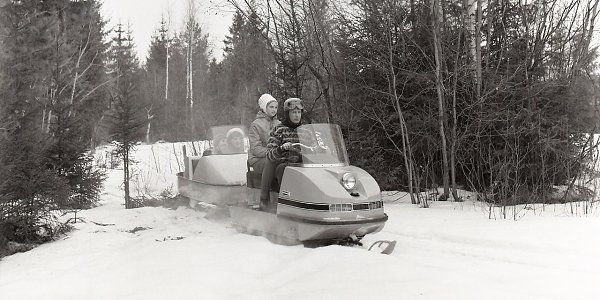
pixel 448 251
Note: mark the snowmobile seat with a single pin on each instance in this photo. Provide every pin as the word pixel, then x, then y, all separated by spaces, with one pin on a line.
pixel 190 165
pixel 254 179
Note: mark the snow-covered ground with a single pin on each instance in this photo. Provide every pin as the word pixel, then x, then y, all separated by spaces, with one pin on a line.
pixel 448 251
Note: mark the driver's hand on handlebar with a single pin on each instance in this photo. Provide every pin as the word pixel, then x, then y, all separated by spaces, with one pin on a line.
pixel 286 146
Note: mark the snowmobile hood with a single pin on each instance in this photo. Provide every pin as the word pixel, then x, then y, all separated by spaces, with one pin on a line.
pixel 324 185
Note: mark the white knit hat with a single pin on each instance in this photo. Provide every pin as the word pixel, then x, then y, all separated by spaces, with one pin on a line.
pixel 264 100
pixel 233 131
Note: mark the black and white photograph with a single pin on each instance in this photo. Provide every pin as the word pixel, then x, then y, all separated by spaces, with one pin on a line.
pixel 299 149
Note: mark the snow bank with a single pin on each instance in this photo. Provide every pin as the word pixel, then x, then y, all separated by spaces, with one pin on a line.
pixel 154 167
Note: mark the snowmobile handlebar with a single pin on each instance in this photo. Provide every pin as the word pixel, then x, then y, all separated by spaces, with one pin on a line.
pixel 300 145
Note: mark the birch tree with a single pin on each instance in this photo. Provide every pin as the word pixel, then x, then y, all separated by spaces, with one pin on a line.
pixel 436 16
pixel 190 26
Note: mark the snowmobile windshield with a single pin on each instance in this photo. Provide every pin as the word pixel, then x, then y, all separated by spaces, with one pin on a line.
pixel 321 145
pixel 229 139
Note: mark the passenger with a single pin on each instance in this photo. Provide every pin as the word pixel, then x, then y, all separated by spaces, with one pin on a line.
pixel 280 153
pixel 266 120
pixel 219 146
pixel 235 141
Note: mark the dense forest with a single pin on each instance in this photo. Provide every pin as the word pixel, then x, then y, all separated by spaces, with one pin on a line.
pixel 494 96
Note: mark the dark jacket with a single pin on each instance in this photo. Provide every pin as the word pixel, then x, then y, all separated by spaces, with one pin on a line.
pixel 285 132
pixel 258 136
pixel 279 136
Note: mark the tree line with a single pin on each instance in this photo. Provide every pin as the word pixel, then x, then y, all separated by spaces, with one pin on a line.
pixel 495 96
pixel 65 88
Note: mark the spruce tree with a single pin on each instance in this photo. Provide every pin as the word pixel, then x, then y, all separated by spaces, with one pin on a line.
pixel 30 186
pixel 154 86
pixel 126 114
pixel 76 95
pixel 245 73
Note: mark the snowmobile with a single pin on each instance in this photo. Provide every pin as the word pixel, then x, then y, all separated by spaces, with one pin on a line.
pixel 218 176
pixel 321 199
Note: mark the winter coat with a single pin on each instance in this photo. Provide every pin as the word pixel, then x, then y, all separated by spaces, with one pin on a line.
pixel 279 136
pixel 258 136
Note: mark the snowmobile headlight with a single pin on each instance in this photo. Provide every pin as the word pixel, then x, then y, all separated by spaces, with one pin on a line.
pixel 348 181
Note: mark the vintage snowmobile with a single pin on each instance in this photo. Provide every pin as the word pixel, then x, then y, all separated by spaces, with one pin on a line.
pixel 321 199
pixel 218 176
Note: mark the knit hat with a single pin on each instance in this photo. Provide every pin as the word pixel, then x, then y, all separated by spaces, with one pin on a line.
pixel 234 131
pixel 264 101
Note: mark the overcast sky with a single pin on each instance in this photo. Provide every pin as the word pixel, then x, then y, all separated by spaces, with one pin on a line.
pixel 144 17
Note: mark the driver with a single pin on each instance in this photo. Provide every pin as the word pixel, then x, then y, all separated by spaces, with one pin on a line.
pixel 280 152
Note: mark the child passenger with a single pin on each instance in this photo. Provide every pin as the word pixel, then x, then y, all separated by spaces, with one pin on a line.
pixel 266 120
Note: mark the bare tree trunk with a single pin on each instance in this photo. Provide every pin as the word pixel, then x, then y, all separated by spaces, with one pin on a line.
pixel 191 22
pixel 319 44
pixel 413 17
pixel 47 117
pixel 191 88
pixel 472 21
pixel 48 121
pixel 586 36
pixel 126 179
pixel 93 140
pixel 149 117
pixel 407 154
pixel 440 93
pixel 489 17
pixel 77 64
pixel 469 12
pixel 167 48
pixel 167 75
pixel 479 76
pixel 405 140
pixel 325 90
pixel 242 108
pixel 454 122
pixel 43 119
pixel 189 80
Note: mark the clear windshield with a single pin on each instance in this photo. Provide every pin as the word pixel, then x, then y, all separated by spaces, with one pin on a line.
pixel 228 139
pixel 321 144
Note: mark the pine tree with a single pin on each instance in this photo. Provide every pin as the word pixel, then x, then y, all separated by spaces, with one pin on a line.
pixel 248 63
pixel 76 95
pixel 195 44
pixel 29 184
pixel 127 120
pixel 154 86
